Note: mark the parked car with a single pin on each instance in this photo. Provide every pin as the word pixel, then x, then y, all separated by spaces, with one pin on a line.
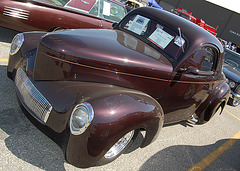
pixel 43 15
pixel 104 86
pixel 231 69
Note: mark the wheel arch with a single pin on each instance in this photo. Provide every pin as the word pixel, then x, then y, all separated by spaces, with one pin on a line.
pixel 123 112
pixel 218 98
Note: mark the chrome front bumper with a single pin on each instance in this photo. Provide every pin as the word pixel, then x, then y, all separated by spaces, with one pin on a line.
pixel 31 98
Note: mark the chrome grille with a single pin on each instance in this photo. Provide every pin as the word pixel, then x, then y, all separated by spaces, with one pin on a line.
pixel 16 12
pixel 31 97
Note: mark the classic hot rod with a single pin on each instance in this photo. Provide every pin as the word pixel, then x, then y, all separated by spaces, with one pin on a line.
pixel 104 85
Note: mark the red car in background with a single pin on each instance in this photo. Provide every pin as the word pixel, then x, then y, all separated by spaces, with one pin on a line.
pixel 29 15
pixel 188 15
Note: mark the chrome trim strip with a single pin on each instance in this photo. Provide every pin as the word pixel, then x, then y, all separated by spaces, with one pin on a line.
pixel 76 9
pixel 16 12
pixel 129 74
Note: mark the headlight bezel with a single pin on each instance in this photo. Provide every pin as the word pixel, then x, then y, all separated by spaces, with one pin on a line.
pixel 81 109
pixel 16 43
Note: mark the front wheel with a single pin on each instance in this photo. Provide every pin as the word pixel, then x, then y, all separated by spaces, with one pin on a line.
pixel 119 147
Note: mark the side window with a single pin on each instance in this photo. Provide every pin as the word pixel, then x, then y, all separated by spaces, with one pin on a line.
pixel 205 59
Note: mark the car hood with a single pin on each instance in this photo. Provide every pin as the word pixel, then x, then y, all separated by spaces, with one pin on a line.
pixel 110 51
pixel 231 73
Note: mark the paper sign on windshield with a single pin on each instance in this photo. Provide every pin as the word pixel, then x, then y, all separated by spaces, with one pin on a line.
pixel 160 38
pixel 138 25
pixel 106 8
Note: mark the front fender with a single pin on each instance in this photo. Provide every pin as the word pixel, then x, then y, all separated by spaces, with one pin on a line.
pixel 114 116
pixel 31 40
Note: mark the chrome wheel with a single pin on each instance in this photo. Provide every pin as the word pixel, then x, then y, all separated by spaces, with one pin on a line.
pixel 120 145
pixel 236 101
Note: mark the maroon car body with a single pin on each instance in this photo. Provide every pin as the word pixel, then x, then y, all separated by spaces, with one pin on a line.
pixel 43 15
pixel 153 68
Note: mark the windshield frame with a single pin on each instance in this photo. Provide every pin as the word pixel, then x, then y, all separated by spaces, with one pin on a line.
pixel 121 25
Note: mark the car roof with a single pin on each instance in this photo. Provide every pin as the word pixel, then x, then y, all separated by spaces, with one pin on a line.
pixel 188 28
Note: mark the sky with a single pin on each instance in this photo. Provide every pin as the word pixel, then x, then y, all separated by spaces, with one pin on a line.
pixel 233 5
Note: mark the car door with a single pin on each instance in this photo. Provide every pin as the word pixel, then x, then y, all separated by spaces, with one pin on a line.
pixel 191 85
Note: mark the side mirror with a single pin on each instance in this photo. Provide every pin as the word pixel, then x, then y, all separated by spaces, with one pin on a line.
pixel 193 70
pixel 190 69
pixel 114 24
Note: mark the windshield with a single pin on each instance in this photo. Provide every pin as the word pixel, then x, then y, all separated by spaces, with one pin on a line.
pixel 156 34
pixel 56 2
pixel 232 59
pixel 109 10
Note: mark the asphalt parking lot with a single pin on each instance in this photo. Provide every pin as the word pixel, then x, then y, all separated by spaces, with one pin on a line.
pixel 181 146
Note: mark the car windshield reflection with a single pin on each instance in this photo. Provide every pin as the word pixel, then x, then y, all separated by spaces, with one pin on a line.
pixel 110 10
pixel 157 35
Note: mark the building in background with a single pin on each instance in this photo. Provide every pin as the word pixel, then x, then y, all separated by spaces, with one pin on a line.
pixel 213 12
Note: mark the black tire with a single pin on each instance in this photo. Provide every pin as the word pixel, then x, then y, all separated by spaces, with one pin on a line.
pixel 107 159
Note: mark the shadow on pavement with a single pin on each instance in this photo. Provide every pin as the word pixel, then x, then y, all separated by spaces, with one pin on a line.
pixel 184 157
pixel 24 140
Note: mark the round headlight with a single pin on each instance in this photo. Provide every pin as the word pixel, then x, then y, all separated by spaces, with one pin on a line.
pixel 81 118
pixel 16 43
pixel 232 84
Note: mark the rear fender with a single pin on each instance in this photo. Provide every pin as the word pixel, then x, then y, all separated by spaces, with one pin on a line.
pixel 219 98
